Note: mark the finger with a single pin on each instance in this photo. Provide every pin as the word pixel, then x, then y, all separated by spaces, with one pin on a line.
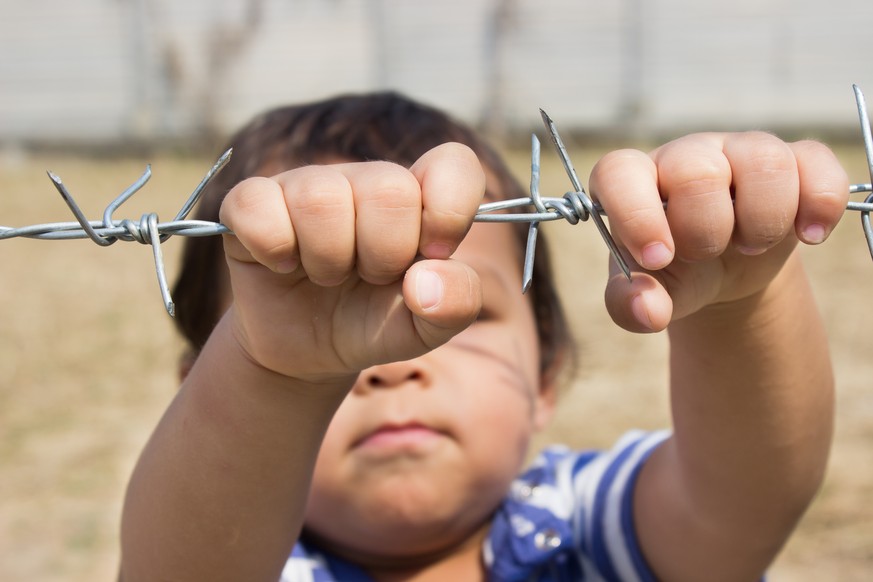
pixel 766 186
pixel 625 183
pixel 641 305
pixel 320 201
pixel 452 187
pixel 824 191
pixel 444 297
pixel 695 178
pixel 255 212
pixel 387 219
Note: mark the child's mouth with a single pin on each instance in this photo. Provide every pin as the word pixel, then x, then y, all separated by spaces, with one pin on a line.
pixel 407 437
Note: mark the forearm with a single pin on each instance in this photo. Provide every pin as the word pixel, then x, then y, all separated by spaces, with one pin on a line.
pixel 752 399
pixel 220 489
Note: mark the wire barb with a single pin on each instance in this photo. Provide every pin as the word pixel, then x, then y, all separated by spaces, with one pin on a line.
pixel 147 231
pixel 868 150
pixel 583 197
pixel 575 206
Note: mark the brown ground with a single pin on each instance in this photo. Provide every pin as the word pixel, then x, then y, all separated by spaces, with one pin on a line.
pixel 88 356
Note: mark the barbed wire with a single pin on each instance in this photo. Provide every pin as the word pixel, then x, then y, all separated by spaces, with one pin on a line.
pixel 575 206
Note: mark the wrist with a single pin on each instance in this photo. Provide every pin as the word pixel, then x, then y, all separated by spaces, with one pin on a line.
pixel 748 326
pixel 228 371
pixel 281 365
pixel 780 293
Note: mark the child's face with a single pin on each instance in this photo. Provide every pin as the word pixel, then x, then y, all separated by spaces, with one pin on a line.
pixel 421 452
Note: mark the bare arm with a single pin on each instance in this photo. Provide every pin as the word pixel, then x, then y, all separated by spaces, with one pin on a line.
pixel 223 481
pixel 751 380
pixel 752 398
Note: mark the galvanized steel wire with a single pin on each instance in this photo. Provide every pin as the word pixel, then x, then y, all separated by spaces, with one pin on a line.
pixel 575 206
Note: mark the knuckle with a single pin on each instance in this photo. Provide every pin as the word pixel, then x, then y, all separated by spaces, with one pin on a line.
pixel 830 194
pixel 460 158
pixel 812 146
pixel 458 153
pixel 614 162
pixel 391 186
pixel 446 221
pixel 698 253
pixel 702 235
pixel 701 248
pixel 383 272
pixel 694 173
pixel 459 149
pixel 768 235
pixel 767 154
pixel 274 251
pixel 326 268
pixel 316 190
pixel 824 181
pixel 765 231
pixel 248 195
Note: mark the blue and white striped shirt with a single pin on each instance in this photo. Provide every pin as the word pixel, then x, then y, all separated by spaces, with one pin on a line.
pixel 567 518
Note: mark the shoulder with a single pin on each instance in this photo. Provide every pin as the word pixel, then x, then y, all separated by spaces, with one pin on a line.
pixel 575 503
pixel 560 466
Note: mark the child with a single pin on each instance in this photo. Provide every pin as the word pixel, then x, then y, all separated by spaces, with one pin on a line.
pixel 372 376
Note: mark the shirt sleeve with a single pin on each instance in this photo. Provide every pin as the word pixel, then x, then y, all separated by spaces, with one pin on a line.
pixel 603 488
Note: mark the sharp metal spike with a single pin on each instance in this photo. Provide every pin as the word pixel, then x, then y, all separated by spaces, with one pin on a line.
pixel 151 223
pixel 865 128
pixel 573 207
pixel 198 191
pixel 530 247
pixel 77 212
pixel 583 196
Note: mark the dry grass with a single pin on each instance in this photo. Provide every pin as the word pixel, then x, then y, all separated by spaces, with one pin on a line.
pixel 87 365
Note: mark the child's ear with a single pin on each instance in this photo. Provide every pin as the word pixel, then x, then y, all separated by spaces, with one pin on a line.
pixel 547 397
pixel 545 402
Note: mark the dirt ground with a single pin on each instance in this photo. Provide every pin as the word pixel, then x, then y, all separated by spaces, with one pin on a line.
pixel 88 357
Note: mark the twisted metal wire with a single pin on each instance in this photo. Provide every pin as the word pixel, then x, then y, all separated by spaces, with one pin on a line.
pixel 147 231
pixel 575 206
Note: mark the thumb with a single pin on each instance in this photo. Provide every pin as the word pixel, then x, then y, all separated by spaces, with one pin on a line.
pixel 444 296
pixel 640 305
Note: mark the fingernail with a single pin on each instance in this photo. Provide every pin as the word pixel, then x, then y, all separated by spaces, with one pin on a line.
pixel 656 256
pixel 429 287
pixel 641 313
pixel 814 234
pixel 286 266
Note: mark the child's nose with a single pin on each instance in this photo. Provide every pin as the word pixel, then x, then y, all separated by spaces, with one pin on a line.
pixel 392 375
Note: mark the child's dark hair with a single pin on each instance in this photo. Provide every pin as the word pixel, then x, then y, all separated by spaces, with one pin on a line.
pixel 379 126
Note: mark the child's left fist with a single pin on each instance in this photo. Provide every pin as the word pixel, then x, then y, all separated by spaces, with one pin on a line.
pixel 736 205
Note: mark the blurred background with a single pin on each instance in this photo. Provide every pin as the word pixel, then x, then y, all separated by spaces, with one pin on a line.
pixel 157 71
pixel 96 89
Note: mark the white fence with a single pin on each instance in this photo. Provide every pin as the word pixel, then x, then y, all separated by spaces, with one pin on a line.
pixel 111 70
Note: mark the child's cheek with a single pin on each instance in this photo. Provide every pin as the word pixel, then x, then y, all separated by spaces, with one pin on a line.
pixel 497 356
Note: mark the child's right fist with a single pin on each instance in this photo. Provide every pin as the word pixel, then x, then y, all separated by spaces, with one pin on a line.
pixel 321 263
